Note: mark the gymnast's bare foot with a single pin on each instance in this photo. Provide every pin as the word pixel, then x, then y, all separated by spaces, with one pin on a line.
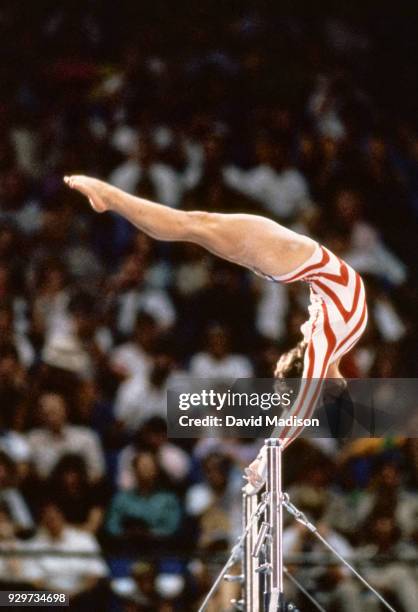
pixel 96 191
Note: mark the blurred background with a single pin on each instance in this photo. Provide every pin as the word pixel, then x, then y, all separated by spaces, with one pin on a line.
pixel 306 115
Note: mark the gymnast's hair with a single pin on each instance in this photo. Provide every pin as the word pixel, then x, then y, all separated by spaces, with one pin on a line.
pixel 290 364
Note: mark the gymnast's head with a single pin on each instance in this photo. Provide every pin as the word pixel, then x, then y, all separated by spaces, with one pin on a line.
pixel 290 364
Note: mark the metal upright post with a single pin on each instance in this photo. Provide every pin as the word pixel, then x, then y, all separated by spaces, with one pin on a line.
pixel 274 593
pixel 250 562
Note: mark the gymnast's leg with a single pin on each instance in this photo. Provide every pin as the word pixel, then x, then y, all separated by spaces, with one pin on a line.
pixel 248 240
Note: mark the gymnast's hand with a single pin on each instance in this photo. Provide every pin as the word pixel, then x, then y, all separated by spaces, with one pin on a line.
pixel 255 473
pixel 97 192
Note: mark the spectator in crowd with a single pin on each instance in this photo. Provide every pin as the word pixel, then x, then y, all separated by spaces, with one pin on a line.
pixel 192 272
pixel 386 495
pixel 280 188
pixel 152 436
pixel 158 270
pixel 77 353
pixel 81 577
pixel 139 398
pixel 218 361
pixel 148 514
pixel 382 538
pixel 227 300
pixel 144 171
pixel 130 294
pixel 50 305
pixel 333 585
pixel 81 502
pixel 365 250
pixel 134 358
pixel 149 591
pixel 213 503
pixel 55 437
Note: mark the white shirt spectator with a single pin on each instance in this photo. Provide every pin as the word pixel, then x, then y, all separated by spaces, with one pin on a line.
pixel 131 359
pixel 67 573
pixel 47 448
pixel 284 194
pixel 368 254
pixel 169 184
pixel 166 181
pixel 137 400
pixel 152 301
pixel 204 365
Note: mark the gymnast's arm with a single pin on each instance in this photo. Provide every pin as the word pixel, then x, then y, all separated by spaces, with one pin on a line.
pixel 251 241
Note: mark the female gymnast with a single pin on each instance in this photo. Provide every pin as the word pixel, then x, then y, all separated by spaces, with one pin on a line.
pixel 338 311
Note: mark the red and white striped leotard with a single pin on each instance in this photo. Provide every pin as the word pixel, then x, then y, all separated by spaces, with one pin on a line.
pixel 338 317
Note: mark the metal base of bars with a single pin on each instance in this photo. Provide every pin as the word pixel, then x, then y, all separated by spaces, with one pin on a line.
pixel 260 547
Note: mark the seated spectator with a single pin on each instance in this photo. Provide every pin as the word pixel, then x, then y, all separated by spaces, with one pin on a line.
pixel 228 300
pixel 333 584
pixel 213 503
pixel 387 495
pixel 139 399
pixel 81 577
pixel 82 337
pixel 150 591
pixel 11 498
pixel 280 188
pixel 51 298
pixel 313 480
pixel 192 272
pixel 144 171
pixel 382 537
pixel 56 437
pixel 81 502
pixel 133 358
pixel 130 294
pixel 218 361
pixel 366 251
pixel 158 269
pixel 149 513
pixel 152 436
pixel 86 325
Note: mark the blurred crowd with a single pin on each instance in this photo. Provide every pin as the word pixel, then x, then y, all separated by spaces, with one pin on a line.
pixel 304 120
